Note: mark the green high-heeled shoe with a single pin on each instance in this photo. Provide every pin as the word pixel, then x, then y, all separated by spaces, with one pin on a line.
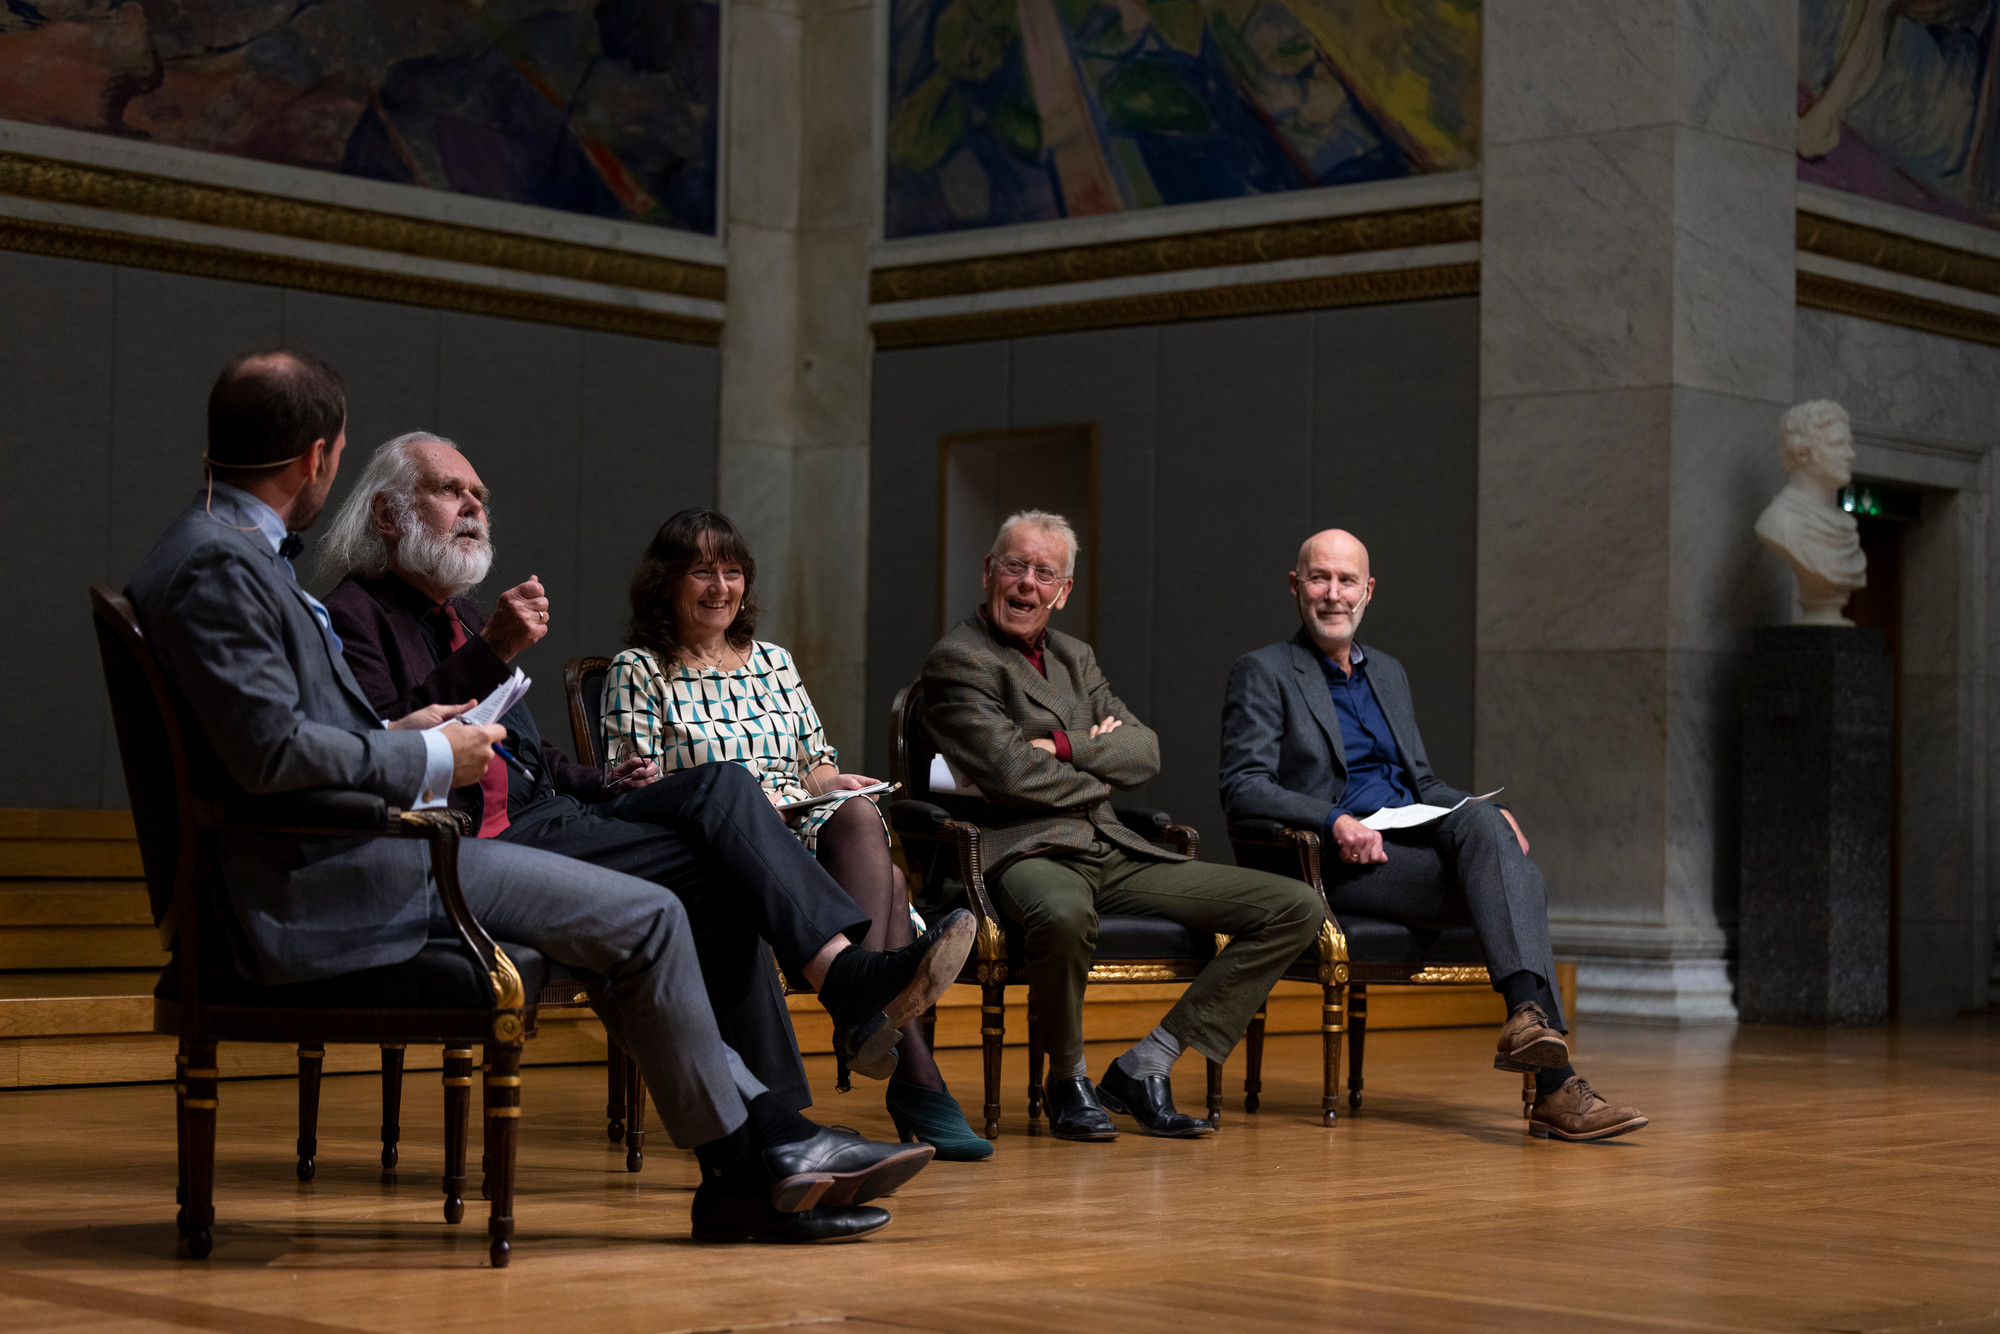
pixel 933 1117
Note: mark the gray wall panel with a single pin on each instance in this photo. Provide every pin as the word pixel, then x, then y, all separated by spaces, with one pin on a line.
pixel 1222 445
pixel 511 396
pixel 1231 497
pixel 587 440
pixel 58 325
pixel 1395 450
pixel 918 396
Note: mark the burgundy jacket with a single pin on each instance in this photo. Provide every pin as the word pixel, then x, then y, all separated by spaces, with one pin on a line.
pixel 382 638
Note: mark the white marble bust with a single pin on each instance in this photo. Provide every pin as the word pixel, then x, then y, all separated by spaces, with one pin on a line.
pixel 1804 522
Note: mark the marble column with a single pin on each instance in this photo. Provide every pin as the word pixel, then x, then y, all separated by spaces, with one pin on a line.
pixel 796 352
pixel 1636 316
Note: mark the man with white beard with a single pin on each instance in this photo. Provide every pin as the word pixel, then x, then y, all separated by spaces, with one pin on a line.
pixel 407 545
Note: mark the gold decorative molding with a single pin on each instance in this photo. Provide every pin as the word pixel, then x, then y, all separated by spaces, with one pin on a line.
pixel 58 182
pixel 1143 972
pixel 1895 253
pixel 207 261
pixel 1454 972
pixel 1324 293
pixel 1821 292
pixel 1395 229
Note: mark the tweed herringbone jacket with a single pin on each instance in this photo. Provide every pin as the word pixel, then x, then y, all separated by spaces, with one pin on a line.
pixel 984 703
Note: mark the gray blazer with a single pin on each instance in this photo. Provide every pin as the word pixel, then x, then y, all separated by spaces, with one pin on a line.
pixel 279 712
pixel 1282 756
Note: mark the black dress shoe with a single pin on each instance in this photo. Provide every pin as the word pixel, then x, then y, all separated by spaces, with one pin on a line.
pixel 872 994
pixel 1074 1112
pixel 1150 1102
pixel 719 1217
pixel 839 1167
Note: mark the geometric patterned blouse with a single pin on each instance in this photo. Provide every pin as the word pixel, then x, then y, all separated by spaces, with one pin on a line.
pixel 758 715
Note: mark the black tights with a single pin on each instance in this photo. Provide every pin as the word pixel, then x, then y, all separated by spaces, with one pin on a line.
pixel 855 852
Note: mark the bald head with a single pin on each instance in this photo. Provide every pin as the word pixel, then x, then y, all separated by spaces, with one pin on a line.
pixel 1327 545
pixel 1332 585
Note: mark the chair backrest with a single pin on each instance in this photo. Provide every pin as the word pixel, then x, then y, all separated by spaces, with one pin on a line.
pixel 152 746
pixel 583 683
pixel 910 748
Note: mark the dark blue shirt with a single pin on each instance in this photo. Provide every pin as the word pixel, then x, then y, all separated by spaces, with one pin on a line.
pixel 1375 776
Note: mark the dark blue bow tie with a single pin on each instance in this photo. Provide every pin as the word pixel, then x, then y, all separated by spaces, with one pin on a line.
pixel 291 546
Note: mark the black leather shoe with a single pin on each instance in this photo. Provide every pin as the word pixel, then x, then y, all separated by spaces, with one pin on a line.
pixel 872 994
pixel 1074 1112
pixel 1150 1102
pixel 719 1217
pixel 839 1167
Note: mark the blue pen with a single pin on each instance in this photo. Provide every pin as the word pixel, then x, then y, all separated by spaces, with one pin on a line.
pixel 508 756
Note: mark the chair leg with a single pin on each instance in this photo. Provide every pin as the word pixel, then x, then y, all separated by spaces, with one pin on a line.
pixel 485 1144
pixel 992 1029
pixel 181 1139
pixel 503 1123
pixel 1036 1053
pixel 1528 1098
pixel 1215 1094
pixel 635 1117
pixel 614 1090
pixel 1332 1025
pixel 312 1062
pixel 200 1146
pixel 1253 1057
pixel 1357 1035
pixel 457 1097
pixel 392 1103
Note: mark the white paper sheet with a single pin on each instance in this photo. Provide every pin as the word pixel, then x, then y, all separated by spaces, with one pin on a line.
pixel 809 803
pixel 948 780
pixel 1409 817
pixel 504 697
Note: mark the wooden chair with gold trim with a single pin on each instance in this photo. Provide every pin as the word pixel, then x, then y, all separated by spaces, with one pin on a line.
pixel 1363 950
pixel 463 992
pixel 941 839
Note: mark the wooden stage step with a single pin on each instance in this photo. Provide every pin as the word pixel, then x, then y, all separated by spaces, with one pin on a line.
pixel 78 957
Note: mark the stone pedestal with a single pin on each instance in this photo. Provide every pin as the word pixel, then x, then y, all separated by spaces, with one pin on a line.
pixel 1813 927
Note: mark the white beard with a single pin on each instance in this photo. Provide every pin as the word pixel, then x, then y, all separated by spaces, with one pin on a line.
pixel 443 561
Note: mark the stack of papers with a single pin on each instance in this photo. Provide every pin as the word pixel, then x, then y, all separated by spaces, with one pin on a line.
pixel 1409 817
pixel 810 803
pixel 504 697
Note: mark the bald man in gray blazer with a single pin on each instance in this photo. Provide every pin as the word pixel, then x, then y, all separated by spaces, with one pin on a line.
pixel 1319 732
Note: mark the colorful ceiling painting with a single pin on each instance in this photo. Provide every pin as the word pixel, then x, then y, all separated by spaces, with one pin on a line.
pixel 1011 111
pixel 606 108
pixel 1898 101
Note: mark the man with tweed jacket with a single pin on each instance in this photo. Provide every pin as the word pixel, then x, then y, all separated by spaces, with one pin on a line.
pixel 1025 714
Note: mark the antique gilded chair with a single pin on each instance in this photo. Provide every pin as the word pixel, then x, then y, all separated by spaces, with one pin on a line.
pixel 1363 950
pixel 941 839
pixel 462 992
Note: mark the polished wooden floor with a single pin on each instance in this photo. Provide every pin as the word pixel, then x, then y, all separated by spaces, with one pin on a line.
pixel 1790 1180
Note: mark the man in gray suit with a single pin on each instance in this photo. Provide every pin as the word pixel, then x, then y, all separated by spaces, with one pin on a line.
pixel 1319 732
pixel 256 661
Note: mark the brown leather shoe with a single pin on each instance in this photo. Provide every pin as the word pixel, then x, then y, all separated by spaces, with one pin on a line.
pixel 1575 1112
pixel 1528 1043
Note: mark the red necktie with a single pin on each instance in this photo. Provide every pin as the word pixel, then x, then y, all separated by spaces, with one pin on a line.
pixel 492 783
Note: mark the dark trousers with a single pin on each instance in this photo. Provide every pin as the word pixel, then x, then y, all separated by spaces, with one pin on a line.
pixel 710 835
pixel 1466 869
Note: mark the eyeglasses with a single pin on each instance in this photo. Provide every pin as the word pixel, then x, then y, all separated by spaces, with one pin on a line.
pixel 1014 567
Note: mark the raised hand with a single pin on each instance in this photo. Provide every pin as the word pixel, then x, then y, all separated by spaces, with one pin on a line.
pixel 520 618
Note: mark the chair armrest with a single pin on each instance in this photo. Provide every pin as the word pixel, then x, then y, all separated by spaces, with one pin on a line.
pixel 314 810
pixel 918 819
pixel 1274 833
pixel 1147 820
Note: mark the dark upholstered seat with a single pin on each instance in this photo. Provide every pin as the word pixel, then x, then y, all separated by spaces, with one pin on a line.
pixel 439 976
pixel 1373 940
pixel 1125 938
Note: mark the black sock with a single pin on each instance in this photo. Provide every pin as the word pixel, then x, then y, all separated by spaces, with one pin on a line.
pixel 772 1124
pixel 730 1164
pixel 1519 988
pixel 1548 1081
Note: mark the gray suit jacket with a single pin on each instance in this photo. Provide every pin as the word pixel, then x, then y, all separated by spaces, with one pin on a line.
pixel 984 703
pixel 1282 756
pixel 280 712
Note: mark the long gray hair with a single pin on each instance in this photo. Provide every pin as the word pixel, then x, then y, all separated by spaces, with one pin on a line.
pixel 351 545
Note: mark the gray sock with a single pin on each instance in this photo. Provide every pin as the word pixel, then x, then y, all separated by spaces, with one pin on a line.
pixel 1079 1070
pixel 1153 1054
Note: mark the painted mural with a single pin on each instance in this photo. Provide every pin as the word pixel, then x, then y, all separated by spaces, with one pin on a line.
pixel 1898 101
pixel 1011 111
pixel 604 107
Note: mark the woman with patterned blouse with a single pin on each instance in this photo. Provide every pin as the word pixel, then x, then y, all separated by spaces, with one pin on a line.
pixel 696 686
